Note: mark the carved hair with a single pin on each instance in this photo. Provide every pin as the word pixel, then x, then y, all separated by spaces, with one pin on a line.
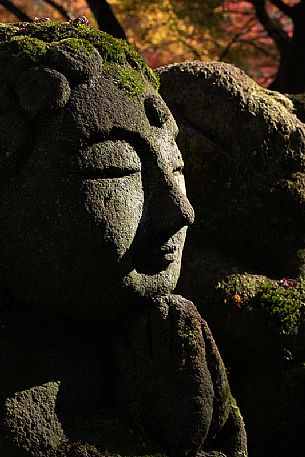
pixel 41 62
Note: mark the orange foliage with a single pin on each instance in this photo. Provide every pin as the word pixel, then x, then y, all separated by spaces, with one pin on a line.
pixel 162 35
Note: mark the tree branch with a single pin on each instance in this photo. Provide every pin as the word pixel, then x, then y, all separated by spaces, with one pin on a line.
pixel 105 18
pixel 192 48
pixel 280 37
pixel 240 13
pixel 61 9
pixel 247 27
pixel 282 6
pixel 259 48
pixel 9 6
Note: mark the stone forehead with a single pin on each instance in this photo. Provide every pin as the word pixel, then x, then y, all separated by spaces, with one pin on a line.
pixel 101 111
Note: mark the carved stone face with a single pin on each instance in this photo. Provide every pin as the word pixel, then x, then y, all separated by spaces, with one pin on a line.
pixel 99 207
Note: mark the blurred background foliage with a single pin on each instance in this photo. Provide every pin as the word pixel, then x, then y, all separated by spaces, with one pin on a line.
pixel 256 35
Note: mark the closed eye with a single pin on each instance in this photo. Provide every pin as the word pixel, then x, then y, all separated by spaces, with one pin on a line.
pixel 107 173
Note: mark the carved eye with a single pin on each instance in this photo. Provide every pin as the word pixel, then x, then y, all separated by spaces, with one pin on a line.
pixel 107 173
pixel 109 159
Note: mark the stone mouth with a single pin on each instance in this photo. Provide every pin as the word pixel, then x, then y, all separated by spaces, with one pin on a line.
pixel 151 260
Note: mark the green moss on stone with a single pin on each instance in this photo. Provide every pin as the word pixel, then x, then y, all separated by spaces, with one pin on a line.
pixel 245 285
pixel 33 39
pixel 233 405
pixel 130 81
pixel 282 302
pixel 189 331
pixel 32 48
pixel 78 45
pixel 282 306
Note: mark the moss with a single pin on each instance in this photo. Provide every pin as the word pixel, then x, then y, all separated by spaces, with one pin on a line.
pixel 140 64
pixel 79 45
pixel 37 35
pixel 7 31
pixel 130 81
pixel 189 331
pixel 32 48
pixel 282 307
pixel 282 302
pixel 233 405
pixel 226 399
pixel 245 286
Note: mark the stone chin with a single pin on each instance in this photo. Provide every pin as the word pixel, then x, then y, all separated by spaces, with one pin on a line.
pixel 160 283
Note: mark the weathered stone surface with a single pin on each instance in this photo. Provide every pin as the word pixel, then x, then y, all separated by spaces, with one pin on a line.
pixel 75 58
pixel 26 409
pixel 41 90
pixel 170 365
pixel 93 218
pixel 245 163
pixel 244 150
pixel 163 354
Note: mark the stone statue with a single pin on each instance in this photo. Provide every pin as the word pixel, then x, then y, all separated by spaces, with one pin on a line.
pixel 244 260
pixel 97 356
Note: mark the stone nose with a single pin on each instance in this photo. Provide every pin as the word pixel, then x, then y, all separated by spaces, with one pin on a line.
pixel 166 211
pixel 172 210
pixel 178 206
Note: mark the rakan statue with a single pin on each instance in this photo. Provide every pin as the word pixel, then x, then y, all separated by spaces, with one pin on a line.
pixel 97 356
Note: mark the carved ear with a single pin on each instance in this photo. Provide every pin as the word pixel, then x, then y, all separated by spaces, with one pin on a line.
pixel 41 89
